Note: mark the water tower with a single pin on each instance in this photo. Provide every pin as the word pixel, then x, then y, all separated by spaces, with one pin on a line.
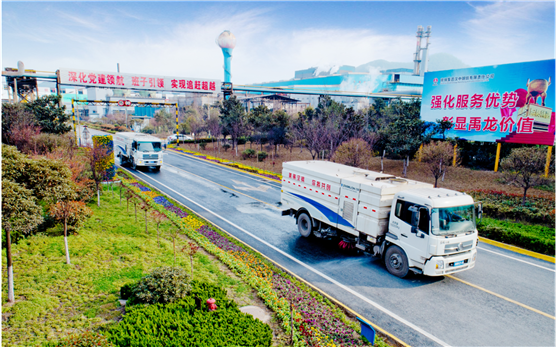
pixel 227 41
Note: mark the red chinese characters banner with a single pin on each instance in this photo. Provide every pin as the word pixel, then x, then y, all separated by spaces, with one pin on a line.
pixel 502 103
pixel 137 81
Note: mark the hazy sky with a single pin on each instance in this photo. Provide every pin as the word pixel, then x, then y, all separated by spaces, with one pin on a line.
pixel 273 38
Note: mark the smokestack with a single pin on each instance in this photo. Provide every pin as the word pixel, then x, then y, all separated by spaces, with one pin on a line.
pixel 425 65
pixel 417 56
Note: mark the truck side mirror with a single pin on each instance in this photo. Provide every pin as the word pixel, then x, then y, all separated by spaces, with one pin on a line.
pixel 415 221
pixel 480 211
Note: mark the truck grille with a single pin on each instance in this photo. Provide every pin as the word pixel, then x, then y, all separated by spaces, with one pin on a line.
pixel 458 247
pixel 150 156
pixel 348 211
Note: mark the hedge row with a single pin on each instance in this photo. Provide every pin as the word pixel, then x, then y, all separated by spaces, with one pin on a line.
pixel 535 238
pixel 182 323
pixel 502 205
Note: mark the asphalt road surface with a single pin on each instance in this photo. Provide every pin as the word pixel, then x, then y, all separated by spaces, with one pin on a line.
pixel 506 300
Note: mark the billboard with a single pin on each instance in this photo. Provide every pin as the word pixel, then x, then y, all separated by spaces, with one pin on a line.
pixel 501 103
pixel 104 79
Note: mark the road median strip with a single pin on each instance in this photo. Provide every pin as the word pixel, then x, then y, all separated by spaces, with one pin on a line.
pixel 306 328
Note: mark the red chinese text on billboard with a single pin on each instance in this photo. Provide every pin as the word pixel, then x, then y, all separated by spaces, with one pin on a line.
pixel 475 101
pixel 93 78
pixel 506 124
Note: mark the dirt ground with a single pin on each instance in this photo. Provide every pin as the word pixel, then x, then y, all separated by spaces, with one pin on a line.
pixel 457 178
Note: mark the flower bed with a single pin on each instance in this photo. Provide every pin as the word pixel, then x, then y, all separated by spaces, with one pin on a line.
pixel 140 186
pixel 265 173
pixel 316 321
pixel 319 318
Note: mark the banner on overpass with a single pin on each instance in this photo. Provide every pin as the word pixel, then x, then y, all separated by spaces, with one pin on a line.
pixel 501 103
pixel 103 79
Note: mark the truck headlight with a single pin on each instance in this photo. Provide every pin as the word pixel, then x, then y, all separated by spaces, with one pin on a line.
pixel 440 264
pixel 474 256
pixel 140 162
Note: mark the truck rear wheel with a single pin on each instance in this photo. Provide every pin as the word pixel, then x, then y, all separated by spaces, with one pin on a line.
pixel 396 261
pixel 304 224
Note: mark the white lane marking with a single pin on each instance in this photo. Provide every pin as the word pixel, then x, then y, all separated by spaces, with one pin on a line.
pixel 229 170
pixel 349 290
pixel 513 258
pixel 245 186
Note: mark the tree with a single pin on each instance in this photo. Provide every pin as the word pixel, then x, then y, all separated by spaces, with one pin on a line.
pixel 18 126
pixel 97 157
pixel 312 132
pixel 524 168
pixel 49 115
pixel 259 120
pixel 195 125
pixel 21 214
pixel 45 178
pixel 438 156
pixel 443 126
pixel 128 195
pixel 158 218
pixel 233 119
pixel 165 120
pixel 71 213
pixel 190 249
pixel 215 128
pixel 145 207
pixel 355 152
pixel 174 233
pixel 407 131
pixel 277 129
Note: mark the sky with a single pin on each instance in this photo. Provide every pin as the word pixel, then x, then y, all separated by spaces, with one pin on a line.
pixel 274 39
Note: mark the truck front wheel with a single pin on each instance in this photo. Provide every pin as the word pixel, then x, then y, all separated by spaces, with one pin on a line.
pixel 396 261
pixel 304 224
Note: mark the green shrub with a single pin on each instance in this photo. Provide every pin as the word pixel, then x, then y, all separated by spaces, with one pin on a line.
pixel 502 205
pixel 86 339
pixel 535 238
pixel 148 130
pixel 226 146
pixel 262 155
pixel 163 285
pixel 181 323
pixel 203 145
pixel 126 291
pixel 248 153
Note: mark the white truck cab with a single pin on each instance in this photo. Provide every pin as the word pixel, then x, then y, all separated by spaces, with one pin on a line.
pixel 411 225
pixel 137 149
pixel 436 228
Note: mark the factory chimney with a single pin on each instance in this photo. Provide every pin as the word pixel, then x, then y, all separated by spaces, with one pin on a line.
pixel 419 69
pixel 425 65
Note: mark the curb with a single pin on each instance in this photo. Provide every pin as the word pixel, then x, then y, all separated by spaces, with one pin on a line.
pixel 393 338
pixel 517 249
pixel 226 166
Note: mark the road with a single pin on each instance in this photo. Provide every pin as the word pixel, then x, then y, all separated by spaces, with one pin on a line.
pixel 506 300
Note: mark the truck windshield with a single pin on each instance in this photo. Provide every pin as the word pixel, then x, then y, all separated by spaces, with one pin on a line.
pixel 149 146
pixel 453 220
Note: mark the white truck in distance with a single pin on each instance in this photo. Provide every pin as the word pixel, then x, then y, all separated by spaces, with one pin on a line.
pixel 138 149
pixel 410 224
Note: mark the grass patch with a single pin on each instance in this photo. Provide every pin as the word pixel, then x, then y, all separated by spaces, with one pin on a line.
pixel 537 238
pixel 54 299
